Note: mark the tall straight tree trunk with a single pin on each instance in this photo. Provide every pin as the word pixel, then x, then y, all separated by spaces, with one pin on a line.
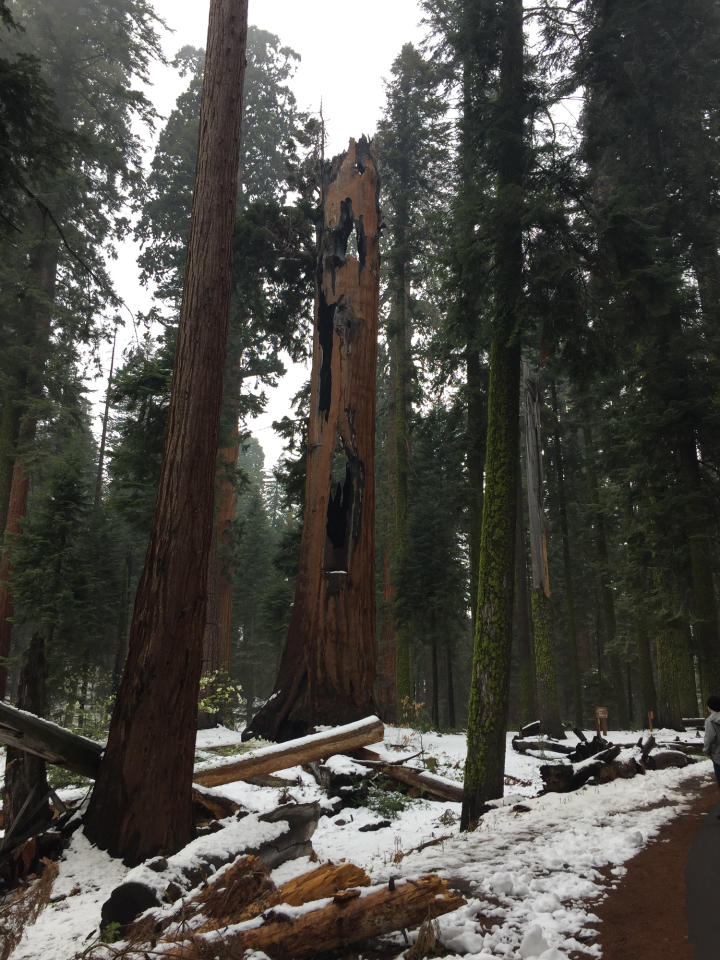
pixel 670 654
pixel 488 708
pixel 141 804
pixel 607 599
pixel 400 358
pixel 572 639
pixel 386 686
pixel 42 264
pixel 327 670
pixel 25 794
pixel 9 426
pixel 527 701
pixel 704 607
pixel 540 600
pixel 476 419
pixel 434 664
pixel 452 715
pixel 648 695
pixel 103 435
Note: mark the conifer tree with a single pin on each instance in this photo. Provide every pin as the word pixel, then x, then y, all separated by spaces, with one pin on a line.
pixel 142 770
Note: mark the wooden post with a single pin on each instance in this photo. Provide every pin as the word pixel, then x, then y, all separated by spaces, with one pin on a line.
pixel 651 717
pixel 601 720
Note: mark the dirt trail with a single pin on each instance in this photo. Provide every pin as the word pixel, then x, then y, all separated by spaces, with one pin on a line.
pixel 644 916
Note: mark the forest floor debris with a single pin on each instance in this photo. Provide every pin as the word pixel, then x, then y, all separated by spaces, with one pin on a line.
pixel 532 873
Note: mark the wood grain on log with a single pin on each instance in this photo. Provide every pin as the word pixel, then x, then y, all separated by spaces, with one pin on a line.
pixel 345 921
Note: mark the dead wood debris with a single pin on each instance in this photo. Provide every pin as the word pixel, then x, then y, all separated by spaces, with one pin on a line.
pixel 340 909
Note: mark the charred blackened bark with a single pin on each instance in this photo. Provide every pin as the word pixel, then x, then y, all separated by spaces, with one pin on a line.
pixel 327 669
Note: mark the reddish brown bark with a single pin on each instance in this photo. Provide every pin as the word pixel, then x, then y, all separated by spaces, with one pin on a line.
pixel 217 640
pixel 327 670
pixel 142 801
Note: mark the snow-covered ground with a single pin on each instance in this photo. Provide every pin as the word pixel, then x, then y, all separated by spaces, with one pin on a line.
pixel 531 872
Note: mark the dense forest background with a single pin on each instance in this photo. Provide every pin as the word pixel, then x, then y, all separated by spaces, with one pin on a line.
pixel 611 179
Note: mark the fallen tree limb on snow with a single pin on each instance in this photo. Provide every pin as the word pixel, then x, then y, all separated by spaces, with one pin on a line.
pixel 317 746
pixel 438 788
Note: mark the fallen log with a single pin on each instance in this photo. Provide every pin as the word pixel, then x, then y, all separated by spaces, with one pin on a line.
pixel 317 746
pixel 530 729
pixel 438 788
pixel 59 746
pixel 564 777
pixel 352 916
pixel 542 745
pixel 272 838
pixel 662 759
pixel 49 741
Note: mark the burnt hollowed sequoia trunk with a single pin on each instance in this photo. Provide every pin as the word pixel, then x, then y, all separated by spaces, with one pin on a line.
pixel 327 669
pixel 141 804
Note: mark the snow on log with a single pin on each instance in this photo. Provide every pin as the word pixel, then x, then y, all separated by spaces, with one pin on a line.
pixel 53 743
pixel 59 746
pixel 317 746
pixel 274 837
pixel 610 764
pixel 352 915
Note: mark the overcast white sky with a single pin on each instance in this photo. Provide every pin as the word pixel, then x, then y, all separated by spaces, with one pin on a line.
pixel 346 53
pixel 346 49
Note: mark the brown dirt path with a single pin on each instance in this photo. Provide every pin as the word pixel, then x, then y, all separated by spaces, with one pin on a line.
pixel 644 915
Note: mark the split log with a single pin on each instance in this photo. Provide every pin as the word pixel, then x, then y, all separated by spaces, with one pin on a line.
pixel 165 880
pixel 317 746
pixel 246 890
pixel 351 917
pixel 542 745
pixel 44 739
pixel 437 788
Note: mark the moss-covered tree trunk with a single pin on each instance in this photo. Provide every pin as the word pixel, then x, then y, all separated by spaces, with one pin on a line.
pixel 476 421
pixel 525 683
pixel 141 804
pixel 488 707
pixel 327 670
